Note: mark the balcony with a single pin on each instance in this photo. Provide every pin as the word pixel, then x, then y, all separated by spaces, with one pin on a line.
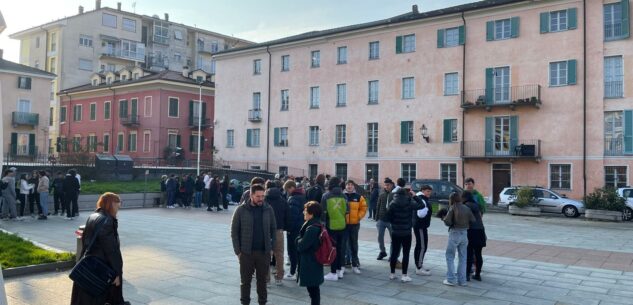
pixel 195 121
pixel 159 61
pixel 131 121
pixel 255 115
pixel 615 147
pixel 207 49
pixel 16 150
pixel 136 53
pixel 613 89
pixel 25 118
pixel 509 151
pixel 504 97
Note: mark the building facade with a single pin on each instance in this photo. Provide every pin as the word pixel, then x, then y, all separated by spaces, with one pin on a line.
pixel 25 112
pixel 107 39
pixel 144 114
pixel 507 92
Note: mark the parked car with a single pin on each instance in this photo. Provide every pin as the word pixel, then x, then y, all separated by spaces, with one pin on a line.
pixel 442 189
pixel 549 201
pixel 627 193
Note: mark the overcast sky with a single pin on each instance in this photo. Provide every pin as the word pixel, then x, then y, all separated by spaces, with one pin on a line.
pixel 254 20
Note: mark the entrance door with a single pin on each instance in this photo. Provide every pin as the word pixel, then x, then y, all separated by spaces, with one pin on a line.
pixel 313 170
pixel 371 171
pixel 501 178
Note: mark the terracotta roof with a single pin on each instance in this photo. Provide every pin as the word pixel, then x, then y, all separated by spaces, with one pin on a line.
pixel 19 68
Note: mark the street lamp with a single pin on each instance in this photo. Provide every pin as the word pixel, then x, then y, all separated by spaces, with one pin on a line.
pixel 199 123
pixel 425 133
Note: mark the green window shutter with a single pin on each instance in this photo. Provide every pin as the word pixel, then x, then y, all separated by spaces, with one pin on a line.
pixel 398 44
pixel 404 132
pixel 490 30
pixel 571 72
pixel 192 140
pixel 545 22
pixel 32 149
pixel 276 137
pixel 14 143
pixel 572 19
pixel 514 27
pixel 249 137
pixel 625 18
pixel 134 110
pixel 178 141
pixel 123 109
pixel 490 125
pixel 462 35
pixel 440 38
pixel 489 84
pixel 28 83
pixel 204 111
pixel 514 133
pixel 201 143
pixel 191 122
pixel 447 131
pixel 628 131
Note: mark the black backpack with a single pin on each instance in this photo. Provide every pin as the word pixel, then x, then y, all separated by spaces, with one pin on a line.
pixel 3 185
pixel 314 193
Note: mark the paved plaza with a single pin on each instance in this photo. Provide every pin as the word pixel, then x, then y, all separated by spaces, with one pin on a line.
pixel 185 257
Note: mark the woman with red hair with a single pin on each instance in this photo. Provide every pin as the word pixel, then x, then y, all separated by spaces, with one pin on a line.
pixel 106 247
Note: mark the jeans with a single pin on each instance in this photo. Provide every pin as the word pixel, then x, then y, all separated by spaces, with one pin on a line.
pixel 397 243
pixel 381 226
pixel 352 232
pixel 339 242
pixel 8 207
pixel 33 200
pixel 171 198
pixel 293 255
pixel 421 244
pixel 315 295
pixel 198 199
pixel 44 203
pixel 70 201
pixel 457 241
pixel 58 198
pixel 257 263
pixel 278 252
pixel 23 200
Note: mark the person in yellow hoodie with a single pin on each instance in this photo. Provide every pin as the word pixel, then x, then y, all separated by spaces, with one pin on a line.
pixel 357 211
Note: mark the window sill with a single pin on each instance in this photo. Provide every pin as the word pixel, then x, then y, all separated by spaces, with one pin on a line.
pixel 284 110
pixel 341 63
pixel 613 97
pixel 615 38
pixel 375 58
pixel 407 143
pixel 340 144
pixel 451 142
pixel 372 103
pixel 406 52
pixel 451 94
pixel 408 98
pixel 314 67
pixel 556 86
pixel 313 145
pixel 341 106
pixel 314 107
pixel 282 70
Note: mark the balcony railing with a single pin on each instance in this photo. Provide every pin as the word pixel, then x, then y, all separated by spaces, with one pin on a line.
pixel 510 97
pixel 25 118
pixel 162 62
pixel 16 150
pixel 613 31
pixel 131 120
pixel 613 89
pixel 135 55
pixel 510 150
pixel 207 48
pixel 195 121
pixel 255 115
pixel 615 147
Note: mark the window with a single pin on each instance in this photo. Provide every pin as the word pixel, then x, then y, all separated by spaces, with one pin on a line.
pixel 85 64
pixel 123 110
pixel 448 172
pixel 76 143
pixel 283 171
pixel 62 114
pixel 24 82
pixel 408 172
pixel 161 32
pixel 341 55
pixel 406 132
pixel 52 65
pixel 372 139
pixel 341 171
pixel 613 132
pixel 313 170
pixel 106 110
pixel 316 59
pixel 212 66
pixel 85 41
pixel 408 88
pixel 281 136
pixel 37 42
pixel 285 63
pixel 341 137
pixel 373 92
pixel 314 97
pixel 405 44
pixel 178 34
pixel 131 141
pixel 129 25
pixel 257 66
pixel 558 21
pixel 51 112
pixel 173 139
pixel 147 109
pixel 53 42
pixel 214 46
pixel 252 137
pixel 613 77
pixel 93 112
pixel 230 138
pixel 147 141
pixel 24 105
pixel 374 50
pixel 77 113
pixel 451 37
pixel 341 95
pixel 558 73
pixel 502 29
pixel 616 20
pixel 451 86
pixel 177 57
pixel 92 143
pixel 108 20
pixel 501 84
pixel 257 101
pixel 106 143
pixel 314 136
pixel 120 142
pixel 560 176
pixel 615 176
pixel 285 100
pixel 173 107
pixel 450 131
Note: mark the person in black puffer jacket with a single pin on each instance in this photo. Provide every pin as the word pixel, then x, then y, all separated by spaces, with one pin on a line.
pixel 421 223
pixel 296 204
pixel 282 215
pixel 399 215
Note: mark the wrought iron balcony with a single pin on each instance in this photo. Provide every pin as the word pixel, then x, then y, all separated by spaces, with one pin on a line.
pixel 615 147
pixel 255 115
pixel 207 48
pixel 135 55
pixel 613 89
pixel 511 150
pixel 16 150
pixel 25 118
pixel 508 97
pixel 195 121
pixel 131 120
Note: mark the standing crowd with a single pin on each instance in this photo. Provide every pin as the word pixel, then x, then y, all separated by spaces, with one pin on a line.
pixel 189 190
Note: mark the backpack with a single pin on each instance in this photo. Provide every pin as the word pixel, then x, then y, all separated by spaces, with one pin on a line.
pixel 326 253
pixel 314 193
pixel 3 185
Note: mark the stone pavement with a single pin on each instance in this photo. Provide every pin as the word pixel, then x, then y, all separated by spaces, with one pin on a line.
pixel 185 257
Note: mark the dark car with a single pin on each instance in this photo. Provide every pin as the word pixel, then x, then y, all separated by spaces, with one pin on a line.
pixel 442 189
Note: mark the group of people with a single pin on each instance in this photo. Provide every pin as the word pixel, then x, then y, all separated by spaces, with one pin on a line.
pixel 34 189
pixel 190 190
pixel 271 208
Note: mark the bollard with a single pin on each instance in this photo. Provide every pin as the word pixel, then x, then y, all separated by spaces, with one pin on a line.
pixel 80 246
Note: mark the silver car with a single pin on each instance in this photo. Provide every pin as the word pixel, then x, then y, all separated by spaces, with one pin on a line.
pixel 548 200
pixel 627 193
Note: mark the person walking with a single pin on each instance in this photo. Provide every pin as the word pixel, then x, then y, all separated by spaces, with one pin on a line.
pixel 58 193
pixel 199 188
pixel 274 199
pixel 310 270
pixel 402 206
pixel 421 223
pixel 469 185
pixel 107 247
pixel 458 221
pixel 296 203
pixel 382 223
pixel 253 235
pixel 9 209
pixel 335 210
pixel 42 189
pixel 25 191
pixel 71 194
pixel 172 189
pixel 357 211
pixel 476 239
pixel 374 193
pixel 315 192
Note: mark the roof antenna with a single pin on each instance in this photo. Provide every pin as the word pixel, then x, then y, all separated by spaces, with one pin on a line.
pixel 134 7
pixel 414 8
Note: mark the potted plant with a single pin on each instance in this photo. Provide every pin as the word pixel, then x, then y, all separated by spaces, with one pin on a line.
pixel 525 203
pixel 604 204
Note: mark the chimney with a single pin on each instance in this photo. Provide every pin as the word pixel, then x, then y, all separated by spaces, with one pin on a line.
pixel 166 17
pixel 81 10
pixel 415 9
pixel 1 51
pixel 97 4
pixel 118 6
pixel 185 71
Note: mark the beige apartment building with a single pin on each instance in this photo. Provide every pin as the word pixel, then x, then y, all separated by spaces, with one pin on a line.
pixel 508 92
pixel 107 39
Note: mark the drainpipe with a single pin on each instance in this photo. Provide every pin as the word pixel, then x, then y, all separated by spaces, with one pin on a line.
pixel 268 111
pixel 110 148
pixel 45 48
pixel 584 99
pixel 68 119
pixel 463 91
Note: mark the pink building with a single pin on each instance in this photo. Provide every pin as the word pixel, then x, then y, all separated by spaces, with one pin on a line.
pixel 507 92
pixel 139 113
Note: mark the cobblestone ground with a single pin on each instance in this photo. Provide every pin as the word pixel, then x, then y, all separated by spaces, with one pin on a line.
pixel 185 257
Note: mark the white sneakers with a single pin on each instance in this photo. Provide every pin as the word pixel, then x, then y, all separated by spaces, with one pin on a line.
pixel 290 277
pixel 405 278
pixel 278 282
pixel 423 271
pixel 339 273
pixel 392 276
pixel 331 277
pixel 447 283
pixel 356 270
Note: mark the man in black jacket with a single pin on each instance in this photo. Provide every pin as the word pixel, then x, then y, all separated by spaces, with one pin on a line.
pixel 57 186
pixel 279 204
pixel 421 223
pixel 71 194
pixel 315 192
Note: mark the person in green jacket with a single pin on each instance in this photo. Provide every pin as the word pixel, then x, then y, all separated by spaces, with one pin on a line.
pixel 310 270
pixel 335 208
pixel 469 185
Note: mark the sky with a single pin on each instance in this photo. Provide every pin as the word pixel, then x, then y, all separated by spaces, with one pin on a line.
pixel 254 20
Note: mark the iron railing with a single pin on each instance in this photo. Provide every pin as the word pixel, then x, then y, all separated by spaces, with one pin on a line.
pixel 255 115
pixel 502 96
pixel 615 147
pixel 511 149
pixel 16 150
pixel 195 121
pixel 613 89
pixel 131 120
pixel 25 118
pixel 613 31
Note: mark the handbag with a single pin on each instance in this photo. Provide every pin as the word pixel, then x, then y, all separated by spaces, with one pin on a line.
pixel 92 273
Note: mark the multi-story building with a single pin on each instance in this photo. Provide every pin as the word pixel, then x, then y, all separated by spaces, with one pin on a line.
pixel 508 92
pixel 107 39
pixel 24 95
pixel 144 114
